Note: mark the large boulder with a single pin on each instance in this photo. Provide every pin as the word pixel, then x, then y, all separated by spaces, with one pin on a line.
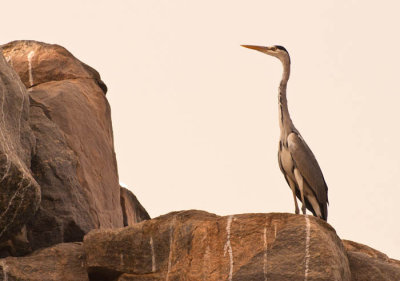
pixel 60 262
pixel 367 264
pixel 195 245
pixel 74 161
pixel 20 193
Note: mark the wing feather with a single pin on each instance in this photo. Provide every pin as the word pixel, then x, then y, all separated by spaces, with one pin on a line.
pixel 308 166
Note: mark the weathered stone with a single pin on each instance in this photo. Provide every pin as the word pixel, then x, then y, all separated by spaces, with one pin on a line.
pixel 74 162
pixel 367 264
pixel 133 212
pixel 60 262
pixel 63 215
pixel 37 63
pixel 20 193
pixel 195 245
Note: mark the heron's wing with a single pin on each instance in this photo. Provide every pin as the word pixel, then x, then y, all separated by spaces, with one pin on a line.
pixel 280 163
pixel 308 166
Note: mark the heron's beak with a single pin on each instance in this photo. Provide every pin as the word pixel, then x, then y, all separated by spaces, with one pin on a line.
pixel 257 48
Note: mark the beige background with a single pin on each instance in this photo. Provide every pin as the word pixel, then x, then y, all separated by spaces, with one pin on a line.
pixel 195 115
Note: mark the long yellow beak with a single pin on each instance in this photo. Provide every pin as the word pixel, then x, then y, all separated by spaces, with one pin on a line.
pixel 257 48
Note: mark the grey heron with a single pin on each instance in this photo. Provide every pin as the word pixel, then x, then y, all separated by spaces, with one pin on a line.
pixel 296 160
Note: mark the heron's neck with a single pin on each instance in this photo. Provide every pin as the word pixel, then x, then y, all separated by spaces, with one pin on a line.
pixel 285 123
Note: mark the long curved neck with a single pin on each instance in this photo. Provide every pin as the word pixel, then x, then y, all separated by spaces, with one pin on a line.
pixel 285 123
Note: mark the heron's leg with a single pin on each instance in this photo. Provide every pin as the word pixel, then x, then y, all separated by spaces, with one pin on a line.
pixel 299 179
pixel 293 188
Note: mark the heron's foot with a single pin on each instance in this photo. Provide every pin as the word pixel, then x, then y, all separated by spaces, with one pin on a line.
pixel 303 209
pixel 297 211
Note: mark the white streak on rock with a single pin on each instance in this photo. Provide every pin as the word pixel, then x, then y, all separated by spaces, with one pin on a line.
pixel 205 269
pixel 171 233
pixel 121 257
pixel 206 263
pixel 5 267
pixel 30 56
pixel 153 257
pixel 228 247
pixel 8 163
pixel 307 252
pixel 9 60
pixel 275 229
pixel 265 253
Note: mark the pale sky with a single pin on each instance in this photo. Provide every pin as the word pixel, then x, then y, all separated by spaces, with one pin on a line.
pixel 195 116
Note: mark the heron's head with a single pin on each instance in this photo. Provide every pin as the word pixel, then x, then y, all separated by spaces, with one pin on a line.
pixel 276 51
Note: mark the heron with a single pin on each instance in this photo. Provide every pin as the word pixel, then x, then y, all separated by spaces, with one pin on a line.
pixel 296 160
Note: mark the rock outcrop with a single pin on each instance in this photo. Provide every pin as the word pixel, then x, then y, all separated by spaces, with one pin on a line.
pixel 369 264
pixel 57 143
pixel 74 161
pixel 20 193
pixel 133 212
pixel 195 245
pixel 60 262
pixel 37 63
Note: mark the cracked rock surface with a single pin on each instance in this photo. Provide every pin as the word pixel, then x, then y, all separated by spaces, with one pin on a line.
pixel 20 193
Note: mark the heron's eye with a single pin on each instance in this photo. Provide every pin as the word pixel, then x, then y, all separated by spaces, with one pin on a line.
pixel 273 48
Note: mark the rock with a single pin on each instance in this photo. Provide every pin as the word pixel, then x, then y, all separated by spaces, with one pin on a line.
pixel 195 245
pixel 60 262
pixel 133 212
pixel 20 193
pixel 367 264
pixel 37 63
pixel 63 215
pixel 75 161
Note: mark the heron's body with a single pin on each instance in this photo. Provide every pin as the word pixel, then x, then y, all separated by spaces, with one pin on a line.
pixel 296 160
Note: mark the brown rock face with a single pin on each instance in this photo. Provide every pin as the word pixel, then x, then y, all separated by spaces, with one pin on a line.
pixel 195 245
pixel 133 212
pixel 368 264
pixel 20 193
pixel 63 215
pixel 37 63
pixel 61 262
pixel 74 161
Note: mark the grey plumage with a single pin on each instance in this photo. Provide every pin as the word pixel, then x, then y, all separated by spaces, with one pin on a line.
pixel 296 160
